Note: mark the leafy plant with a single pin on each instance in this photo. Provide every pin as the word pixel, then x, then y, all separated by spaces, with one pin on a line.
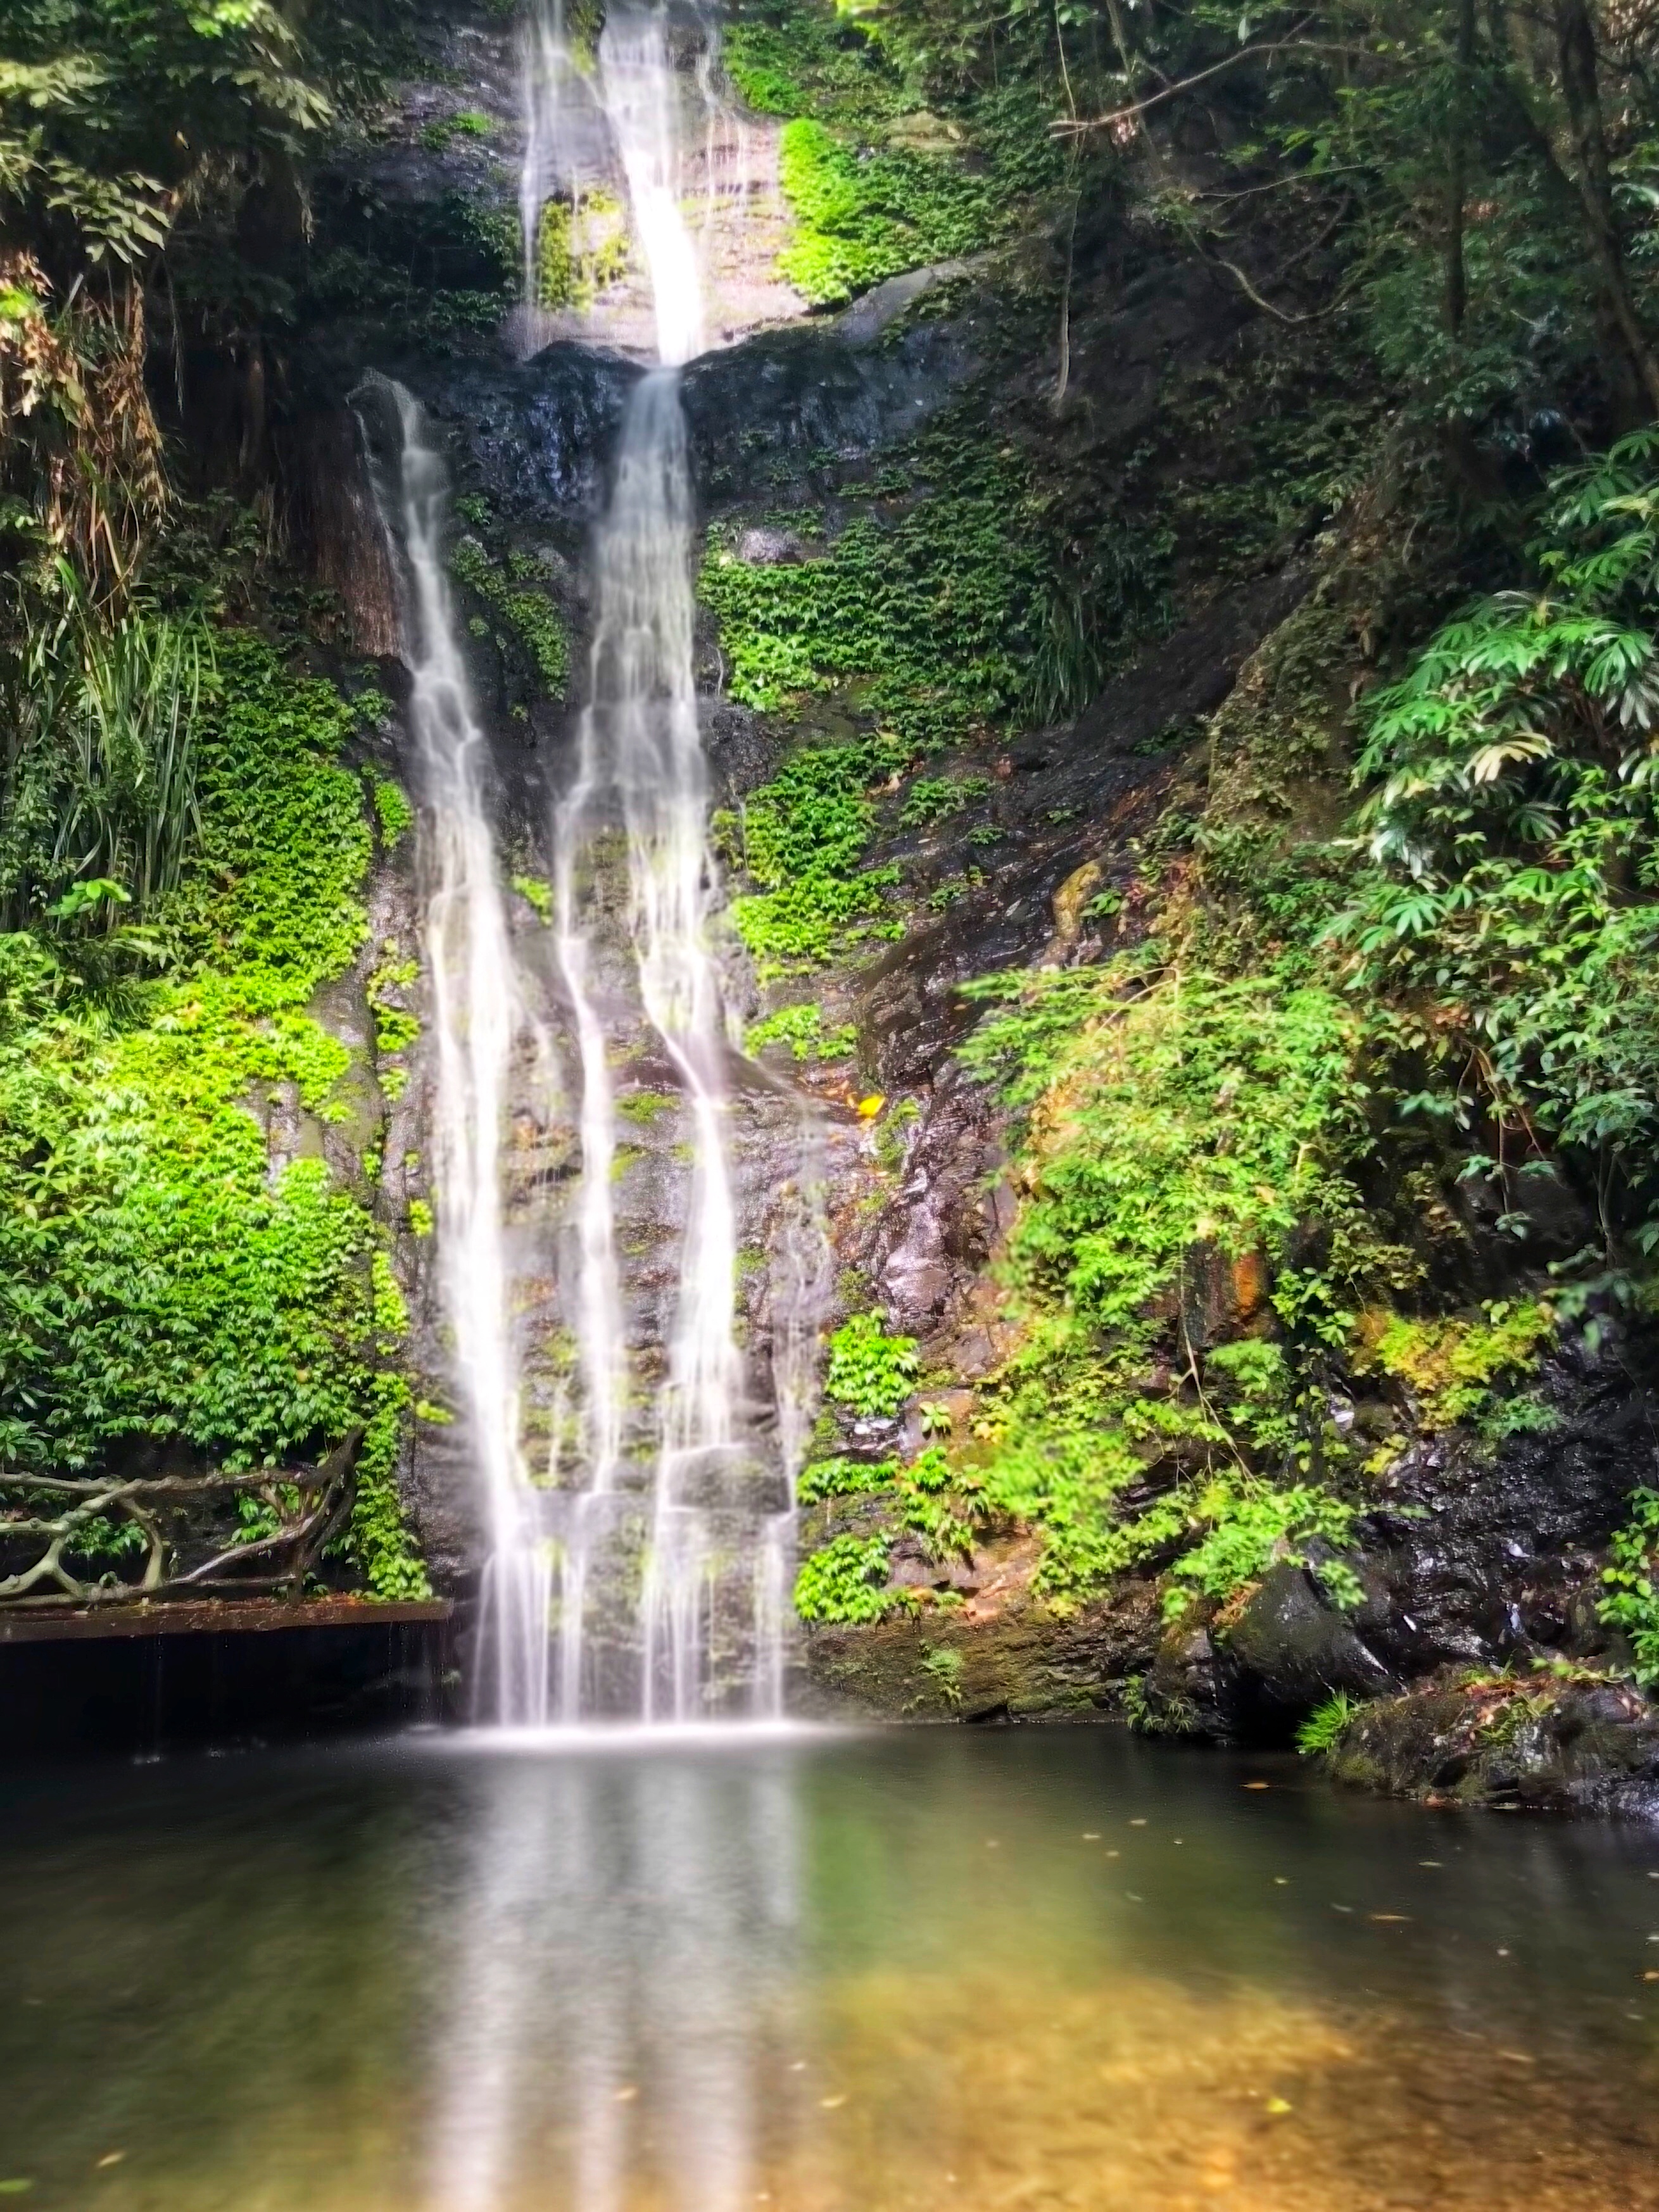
pixel 1327 1723
pixel 1632 1602
pixel 844 1581
pixel 870 1373
pixel 801 1028
pixel 531 614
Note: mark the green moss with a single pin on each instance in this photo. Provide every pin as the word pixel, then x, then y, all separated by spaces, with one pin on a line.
pixel 580 253
pixel 531 614
pixel 645 1107
pixel 862 216
pixel 472 122
pixel 1186 1135
pixel 802 838
pixel 538 893
pixel 938 616
pixel 875 181
pixel 1450 1366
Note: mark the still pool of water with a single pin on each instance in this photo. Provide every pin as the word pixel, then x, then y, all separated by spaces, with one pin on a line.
pixel 812 1974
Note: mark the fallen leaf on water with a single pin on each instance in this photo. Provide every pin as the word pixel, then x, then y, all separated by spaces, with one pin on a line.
pixel 627 2096
pixel 1389 1919
pixel 111 2157
pixel 1521 2057
pixel 1258 1785
pixel 1277 2107
pixel 830 2103
pixel 16 2188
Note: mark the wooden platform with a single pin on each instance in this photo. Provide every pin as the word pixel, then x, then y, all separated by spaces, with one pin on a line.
pixel 210 1617
pixel 150 1676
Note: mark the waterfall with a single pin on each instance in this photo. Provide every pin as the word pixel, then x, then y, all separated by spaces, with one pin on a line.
pixel 638 740
pixel 674 1506
pixel 478 1015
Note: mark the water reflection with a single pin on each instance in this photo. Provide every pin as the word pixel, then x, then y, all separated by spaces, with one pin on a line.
pixel 629 1922
pixel 934 1971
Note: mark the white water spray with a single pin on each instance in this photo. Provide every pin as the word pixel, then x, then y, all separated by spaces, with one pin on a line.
pixel 478 1016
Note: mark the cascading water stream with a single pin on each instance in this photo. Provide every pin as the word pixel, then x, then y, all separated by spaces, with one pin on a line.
pixel 639 769
pixel 478 1015
pixel 640 739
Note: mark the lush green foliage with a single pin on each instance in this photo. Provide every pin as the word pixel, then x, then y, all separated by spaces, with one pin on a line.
pixel 1511 920
pixel 877 182
pixel 1632 1603
pixel 935 603
pixel 1189 1149
pixel 844 1581
pixel 802 838
pixel 863 216
pixel 870 1373
pixel 107 107
pixel 801 1028
pixel 156 1281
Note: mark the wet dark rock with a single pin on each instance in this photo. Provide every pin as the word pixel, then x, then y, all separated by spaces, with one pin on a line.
pixel 1482 1550
pixel 786 396
pixel 1544 1743
pixel 1002 1654
pixel 940 1229
pixel 1183 1691
pixel 1105 780
pixel 1288 1648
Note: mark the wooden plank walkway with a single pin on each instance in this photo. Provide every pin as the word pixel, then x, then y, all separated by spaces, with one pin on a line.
pixel 211 1617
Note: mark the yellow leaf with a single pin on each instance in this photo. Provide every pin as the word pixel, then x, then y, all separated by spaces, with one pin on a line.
pixel 870 1107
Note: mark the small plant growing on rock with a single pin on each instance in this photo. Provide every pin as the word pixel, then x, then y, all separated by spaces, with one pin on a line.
pixel 1325 1723
pixel 870 1373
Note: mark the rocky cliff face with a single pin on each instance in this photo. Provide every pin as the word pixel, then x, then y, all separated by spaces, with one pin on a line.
pixel 999 832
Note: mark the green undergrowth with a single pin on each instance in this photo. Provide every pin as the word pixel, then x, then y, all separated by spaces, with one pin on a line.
pixel 508 589
pixel 801 841
pixel 1189 1170
pixel 801 1028
pixel 954 601
pixel 160 1287
pixel 876 180
pixel 1630 1600
pixel 581 252
pixel 1193 1281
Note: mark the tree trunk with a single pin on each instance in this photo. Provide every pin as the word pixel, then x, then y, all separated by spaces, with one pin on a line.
pixel 1457 170
pixel 1574 40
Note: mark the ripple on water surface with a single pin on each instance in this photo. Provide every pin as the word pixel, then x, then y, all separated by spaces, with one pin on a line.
pixel 937 1969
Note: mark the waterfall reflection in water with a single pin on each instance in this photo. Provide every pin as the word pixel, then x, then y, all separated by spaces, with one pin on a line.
pixel 639 1916
pixel 928 1970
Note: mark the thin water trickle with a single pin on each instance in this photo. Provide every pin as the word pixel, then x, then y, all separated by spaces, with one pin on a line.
pixel 478 1014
